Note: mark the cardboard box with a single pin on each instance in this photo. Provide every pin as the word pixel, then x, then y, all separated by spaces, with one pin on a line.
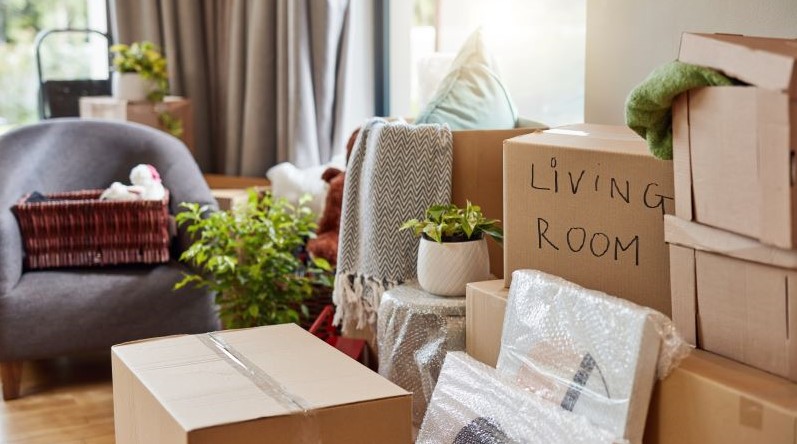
pixel 733 147
pixel 485 304
pixel 585 202
pixel 145 113
pixel 229 199
pixel 270 384
pixel 594 355
pixel 732 296
pixel 711 400
pixel 477 175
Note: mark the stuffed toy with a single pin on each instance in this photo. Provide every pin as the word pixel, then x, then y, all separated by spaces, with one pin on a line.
pixel 146 185
pixel 290 182
pixel 325 245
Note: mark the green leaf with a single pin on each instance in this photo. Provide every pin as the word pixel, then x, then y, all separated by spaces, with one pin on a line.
pixel 433 231
pixel 254 311
pixel 322 263
pixel 409 224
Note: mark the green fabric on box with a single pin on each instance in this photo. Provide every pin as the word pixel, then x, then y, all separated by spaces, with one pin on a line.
pixel 471 95
pixel 648 109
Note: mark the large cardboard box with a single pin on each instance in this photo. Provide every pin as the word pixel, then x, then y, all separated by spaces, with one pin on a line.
pixel 485 304
pixel 711 400
pixel 477 175
pixel 734 296
pixel 270 384
pixel 585 202
pixel 733 147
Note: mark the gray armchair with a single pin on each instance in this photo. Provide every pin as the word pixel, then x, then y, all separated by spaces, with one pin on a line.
pixel 59 312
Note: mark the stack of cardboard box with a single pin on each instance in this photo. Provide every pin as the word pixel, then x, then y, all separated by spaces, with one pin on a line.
pixel 732 247
pixel 589 204
pixel 584 202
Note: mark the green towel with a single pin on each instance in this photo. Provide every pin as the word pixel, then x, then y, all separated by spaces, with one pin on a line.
pixel 648 109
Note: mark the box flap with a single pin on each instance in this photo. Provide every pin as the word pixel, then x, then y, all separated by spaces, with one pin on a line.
pixel 702 237
pixel 604 138
pixel 201 387
pixel 765 62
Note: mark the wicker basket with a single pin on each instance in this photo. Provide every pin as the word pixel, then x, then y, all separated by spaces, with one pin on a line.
pixel 76 229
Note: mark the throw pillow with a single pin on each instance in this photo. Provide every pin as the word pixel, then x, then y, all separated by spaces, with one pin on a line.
pixel 471 95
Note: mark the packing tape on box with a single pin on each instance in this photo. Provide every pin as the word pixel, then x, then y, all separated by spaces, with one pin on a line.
pixel 292 402
pixel 590 353
pixel 474 403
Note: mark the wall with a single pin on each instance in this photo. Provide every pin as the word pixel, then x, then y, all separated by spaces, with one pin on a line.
pixel 538 44
pixel 627 39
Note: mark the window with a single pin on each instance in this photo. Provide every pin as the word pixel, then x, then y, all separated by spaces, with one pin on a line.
pixel 64 56
pixel 539 45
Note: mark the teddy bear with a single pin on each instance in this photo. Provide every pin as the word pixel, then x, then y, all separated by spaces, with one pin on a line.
pixel 325 244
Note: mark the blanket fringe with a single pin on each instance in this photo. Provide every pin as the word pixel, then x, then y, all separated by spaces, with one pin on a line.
pixel 357 297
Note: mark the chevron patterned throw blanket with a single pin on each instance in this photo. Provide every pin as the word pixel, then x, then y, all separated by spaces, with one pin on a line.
pixel 395 172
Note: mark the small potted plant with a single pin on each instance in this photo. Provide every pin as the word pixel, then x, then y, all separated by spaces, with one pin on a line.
pixel 453 249
pixel 139 72
pixel 248 257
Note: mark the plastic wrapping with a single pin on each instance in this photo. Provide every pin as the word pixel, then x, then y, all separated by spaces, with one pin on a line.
pixel 588 352
pixel 474 404
pixel 415 330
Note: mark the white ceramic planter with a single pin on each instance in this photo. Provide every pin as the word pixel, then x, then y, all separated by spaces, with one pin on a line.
pixel 131 86
pixel 444 269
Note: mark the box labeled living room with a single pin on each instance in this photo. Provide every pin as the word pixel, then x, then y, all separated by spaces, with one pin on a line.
pixel 425 221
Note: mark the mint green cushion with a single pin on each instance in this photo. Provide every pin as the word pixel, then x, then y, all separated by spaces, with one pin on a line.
pixel 471 95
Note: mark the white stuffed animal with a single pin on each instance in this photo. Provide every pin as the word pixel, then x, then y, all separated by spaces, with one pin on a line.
pixel 119 191
pixel 148 178
pixel 146 186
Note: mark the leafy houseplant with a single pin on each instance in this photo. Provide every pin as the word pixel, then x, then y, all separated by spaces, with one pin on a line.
pixel 140 73
pixel 453 249
pixel 449 223
pixel 248 258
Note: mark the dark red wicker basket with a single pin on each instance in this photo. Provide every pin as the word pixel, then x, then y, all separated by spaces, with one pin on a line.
pixel 76 229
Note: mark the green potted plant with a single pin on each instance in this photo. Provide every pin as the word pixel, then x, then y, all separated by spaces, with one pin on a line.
pixel 248 257
pixel 453 249
pixel 139 72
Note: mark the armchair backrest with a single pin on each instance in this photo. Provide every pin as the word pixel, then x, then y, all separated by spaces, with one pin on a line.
pixel 74 154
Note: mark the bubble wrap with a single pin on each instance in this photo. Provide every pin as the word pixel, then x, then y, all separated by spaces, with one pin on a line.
pixel 474 404
pixel 415 330
pixel 590 353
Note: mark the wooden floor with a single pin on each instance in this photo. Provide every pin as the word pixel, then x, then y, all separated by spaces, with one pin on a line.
pixel 64 401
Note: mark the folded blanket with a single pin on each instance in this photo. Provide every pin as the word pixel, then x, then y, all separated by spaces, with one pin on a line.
pixel 395 172
pixel 648 109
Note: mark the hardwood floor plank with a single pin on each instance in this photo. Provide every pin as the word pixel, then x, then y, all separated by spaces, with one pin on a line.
pixel 63 401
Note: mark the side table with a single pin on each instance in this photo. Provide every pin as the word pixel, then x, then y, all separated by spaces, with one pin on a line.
pixel 415 330
pixel 145 113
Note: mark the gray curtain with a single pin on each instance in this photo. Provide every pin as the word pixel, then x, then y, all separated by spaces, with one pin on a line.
pixel 265 77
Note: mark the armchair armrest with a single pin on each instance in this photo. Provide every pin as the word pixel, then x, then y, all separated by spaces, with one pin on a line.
pixel 10 252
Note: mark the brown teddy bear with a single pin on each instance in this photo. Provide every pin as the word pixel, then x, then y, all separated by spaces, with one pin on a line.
pixel 325 244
